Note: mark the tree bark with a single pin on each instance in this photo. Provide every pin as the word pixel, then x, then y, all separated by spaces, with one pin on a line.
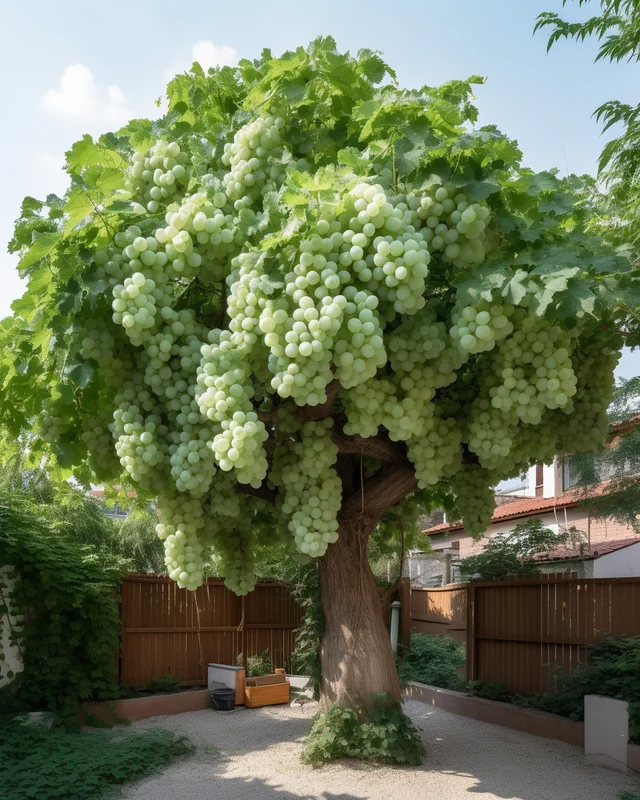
pixel 355 656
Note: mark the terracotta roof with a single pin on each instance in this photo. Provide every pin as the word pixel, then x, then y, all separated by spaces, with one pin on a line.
pixel 100 492
pixel 524 507
pixel 589 552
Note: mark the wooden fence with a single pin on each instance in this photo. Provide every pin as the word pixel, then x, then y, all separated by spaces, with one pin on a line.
pixel 442 610
pixel 522 632
pixel 167 630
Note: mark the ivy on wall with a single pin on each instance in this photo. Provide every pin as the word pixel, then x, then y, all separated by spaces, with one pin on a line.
pixel 65 600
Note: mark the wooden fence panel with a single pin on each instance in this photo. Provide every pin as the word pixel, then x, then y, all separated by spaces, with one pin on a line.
pixel 441 610
pixel 522 632
pixel 167 630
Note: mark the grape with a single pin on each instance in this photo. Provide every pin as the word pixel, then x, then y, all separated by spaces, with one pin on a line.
pixel 180 526
pixel 478 328
pixel 473 489
pixel 158 176
pixel 310 489
pixel 435 452
pixel 224 396
pixel 55 419
pixel 139 439
pixel 454 226
pixel 252 161
pixel 536 371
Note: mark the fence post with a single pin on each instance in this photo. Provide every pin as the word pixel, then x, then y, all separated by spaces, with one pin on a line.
pixel 472 667
pixel 405 618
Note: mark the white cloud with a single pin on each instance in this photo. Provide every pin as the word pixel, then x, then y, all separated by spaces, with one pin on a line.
pixel 79 97
pixel 208 55
pixel 76 96
pixel 115 111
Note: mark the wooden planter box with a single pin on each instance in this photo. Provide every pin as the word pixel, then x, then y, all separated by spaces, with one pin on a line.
pixel 268 690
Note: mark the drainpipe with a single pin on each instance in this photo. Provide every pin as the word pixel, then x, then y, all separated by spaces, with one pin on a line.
pixel 395 624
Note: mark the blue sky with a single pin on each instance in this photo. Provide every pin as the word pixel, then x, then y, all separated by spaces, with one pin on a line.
pixel 70 67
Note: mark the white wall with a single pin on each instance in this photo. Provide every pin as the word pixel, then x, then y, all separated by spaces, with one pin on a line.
pixel 623 563
pixel 552 479
pixel 13 658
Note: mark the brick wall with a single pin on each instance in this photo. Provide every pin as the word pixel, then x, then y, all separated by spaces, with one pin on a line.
pixel 598 531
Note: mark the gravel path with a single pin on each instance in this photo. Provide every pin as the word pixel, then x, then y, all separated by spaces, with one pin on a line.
pixel 253 754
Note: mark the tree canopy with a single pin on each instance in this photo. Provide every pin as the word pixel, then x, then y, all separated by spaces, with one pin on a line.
pixel 617 28
pixel 302 295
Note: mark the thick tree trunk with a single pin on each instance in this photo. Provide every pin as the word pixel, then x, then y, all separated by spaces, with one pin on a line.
pixel 355 656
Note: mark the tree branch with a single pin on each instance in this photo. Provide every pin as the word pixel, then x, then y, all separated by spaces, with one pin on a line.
pixel 380 446
pixel 264 493
pixel 381 491
pixel 324 409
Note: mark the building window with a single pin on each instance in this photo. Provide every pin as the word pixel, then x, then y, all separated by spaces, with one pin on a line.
pixel 601 466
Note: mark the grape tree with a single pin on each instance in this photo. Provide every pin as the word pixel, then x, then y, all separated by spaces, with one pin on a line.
pixel 301 296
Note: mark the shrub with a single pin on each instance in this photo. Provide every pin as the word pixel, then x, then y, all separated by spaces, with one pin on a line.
pixel 259 665
pixel 512 553
pixel 377 730
pixel 51 763
pixel 613 670
pixel 166 684
pixel 65 596
pixel 434 660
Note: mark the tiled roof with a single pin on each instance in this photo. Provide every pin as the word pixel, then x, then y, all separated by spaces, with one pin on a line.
pixel 589 552
pixel 524 507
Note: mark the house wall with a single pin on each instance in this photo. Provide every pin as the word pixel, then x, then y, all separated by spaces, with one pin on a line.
pixel 583 569
pixel 623 563
pixel 595 530
pixel 13 658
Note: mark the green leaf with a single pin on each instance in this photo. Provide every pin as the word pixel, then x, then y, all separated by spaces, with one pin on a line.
pixel 352 157
pixel 87 153
pixel 41 246
pixel 77 208
pixel 294 90
pixel 480 190
pixel 81 373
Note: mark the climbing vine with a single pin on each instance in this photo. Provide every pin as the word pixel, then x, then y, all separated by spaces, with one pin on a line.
pixel 63 599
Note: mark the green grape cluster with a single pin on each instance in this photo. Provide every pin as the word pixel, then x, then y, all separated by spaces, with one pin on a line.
pixel 359 348
pixel 139 432
pixel 435 452
pixel 455 227
pixel 536 371
pixel 423 360
pixel 587 426
pixel 473 489
pixel 96 343
pixel 310 488
pixel 180 526
pixel 170 363
pixel 54 419
pixel 191 460
pixel 134 306
pixel 234 549
pixel 97 437
pixel 490 433
pixel 477 328
pixel 158 176
pixel 252 159
pixel 394 263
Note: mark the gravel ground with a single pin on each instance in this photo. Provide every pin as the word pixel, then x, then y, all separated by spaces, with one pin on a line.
pixel 253 754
